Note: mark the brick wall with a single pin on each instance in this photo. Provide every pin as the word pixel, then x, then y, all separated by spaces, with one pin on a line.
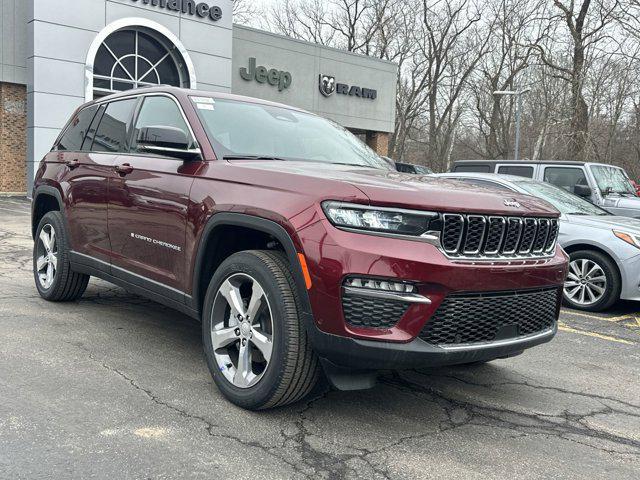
pixel 13 138
pixel 379 141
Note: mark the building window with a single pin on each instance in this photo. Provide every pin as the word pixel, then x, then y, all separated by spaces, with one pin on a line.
pixel 137 57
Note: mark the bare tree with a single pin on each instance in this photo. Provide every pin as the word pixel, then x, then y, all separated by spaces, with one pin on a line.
pixel 514 38
pixel 302 19
pixel 579 57
pixel 451 45
pixel 586 24
pixel 244 11
pixel 363 26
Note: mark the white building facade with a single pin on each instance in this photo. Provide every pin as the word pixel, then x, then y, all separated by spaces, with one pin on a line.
pixel 59 54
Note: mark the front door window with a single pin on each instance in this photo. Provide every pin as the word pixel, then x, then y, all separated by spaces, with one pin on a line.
pixel 159 112
pixel 565 177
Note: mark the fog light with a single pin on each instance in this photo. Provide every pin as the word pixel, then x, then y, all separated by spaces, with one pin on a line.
pixel 384 285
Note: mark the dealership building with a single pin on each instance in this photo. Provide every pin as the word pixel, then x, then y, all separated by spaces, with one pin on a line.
pixel 58 54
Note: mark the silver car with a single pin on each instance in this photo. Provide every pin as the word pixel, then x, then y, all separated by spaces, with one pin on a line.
pixel 604 248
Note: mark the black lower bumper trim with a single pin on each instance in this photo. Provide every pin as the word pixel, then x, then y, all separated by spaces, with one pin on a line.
pixel 374 355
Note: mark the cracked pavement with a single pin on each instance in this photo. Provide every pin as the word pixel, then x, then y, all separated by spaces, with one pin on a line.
pixel 115 386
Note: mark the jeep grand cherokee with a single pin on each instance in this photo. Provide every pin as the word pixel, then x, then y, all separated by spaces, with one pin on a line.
pixel 299 249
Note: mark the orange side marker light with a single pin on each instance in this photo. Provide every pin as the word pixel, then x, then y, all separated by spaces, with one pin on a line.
pixel 305 270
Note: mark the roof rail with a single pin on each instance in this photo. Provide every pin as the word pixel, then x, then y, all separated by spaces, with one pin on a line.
pixel 154 86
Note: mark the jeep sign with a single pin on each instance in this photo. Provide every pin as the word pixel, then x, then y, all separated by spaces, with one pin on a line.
pixel 271 76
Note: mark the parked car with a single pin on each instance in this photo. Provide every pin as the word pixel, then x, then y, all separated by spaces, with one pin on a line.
pixel 636 186
pixel 604 185
pixel 412 168
pixel 297 246
pixel 604 248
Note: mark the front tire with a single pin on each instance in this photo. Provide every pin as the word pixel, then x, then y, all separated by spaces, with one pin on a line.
pixel 55 280
pixel 256 347
pixel 593 283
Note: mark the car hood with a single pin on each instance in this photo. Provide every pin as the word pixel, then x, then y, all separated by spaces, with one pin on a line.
pixel 608 222
pixel 622 202
pixel 390 188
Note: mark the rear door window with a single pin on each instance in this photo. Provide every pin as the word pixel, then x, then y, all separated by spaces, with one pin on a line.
pixel 472 168
pixel 91 134
pixel 518 170
pixel 113 133
pixel 565 177
pixel 77 129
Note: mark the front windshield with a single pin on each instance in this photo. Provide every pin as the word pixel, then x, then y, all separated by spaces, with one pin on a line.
pixel 248 130
pixel 612 180
pixel 566 202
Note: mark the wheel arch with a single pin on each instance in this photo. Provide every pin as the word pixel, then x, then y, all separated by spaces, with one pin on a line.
pixel 217 224
pixel 576 247
pixel 45 199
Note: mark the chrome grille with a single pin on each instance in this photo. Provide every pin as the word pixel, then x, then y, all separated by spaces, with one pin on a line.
pixel 476 226
pixel 497 230
pixel 513 236
pixel 541 236
pixel 475 236
pixel 552 238
pixel 452 234
pixel 528 235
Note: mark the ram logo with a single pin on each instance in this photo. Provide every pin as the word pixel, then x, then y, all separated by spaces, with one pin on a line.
pixel 327 85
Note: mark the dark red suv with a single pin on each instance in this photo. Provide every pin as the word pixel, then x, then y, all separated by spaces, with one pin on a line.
pixel 299 249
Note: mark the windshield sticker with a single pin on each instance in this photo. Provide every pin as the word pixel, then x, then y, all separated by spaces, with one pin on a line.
pixel 204 100
pixel 205 106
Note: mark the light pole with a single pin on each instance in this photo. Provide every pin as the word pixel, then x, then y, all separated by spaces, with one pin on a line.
pixel 518 94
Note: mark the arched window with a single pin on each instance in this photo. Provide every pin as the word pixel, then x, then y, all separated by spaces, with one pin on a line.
pixel 135 57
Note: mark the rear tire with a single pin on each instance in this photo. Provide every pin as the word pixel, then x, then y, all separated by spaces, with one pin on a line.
pixel 282 373
pixel 597 276
pixel 55 280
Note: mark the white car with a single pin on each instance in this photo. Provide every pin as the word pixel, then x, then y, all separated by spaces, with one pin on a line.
pixel 604 185
pixel 604 248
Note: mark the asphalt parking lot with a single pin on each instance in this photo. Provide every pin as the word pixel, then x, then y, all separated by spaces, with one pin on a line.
pixel 115 386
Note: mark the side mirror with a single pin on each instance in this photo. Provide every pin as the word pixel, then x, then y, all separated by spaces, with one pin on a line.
pixel 582 191
pixel 169 141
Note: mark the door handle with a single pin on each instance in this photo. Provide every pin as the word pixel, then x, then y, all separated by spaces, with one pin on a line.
pixel 124 169
pixel 72 163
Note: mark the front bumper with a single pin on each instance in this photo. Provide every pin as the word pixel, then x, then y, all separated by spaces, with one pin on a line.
pixel 356 354
pixel 630 275
pixel 333 255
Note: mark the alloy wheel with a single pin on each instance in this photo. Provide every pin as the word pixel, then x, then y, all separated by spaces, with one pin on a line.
pixel 586 283
pixel 47 256
pixel 242 330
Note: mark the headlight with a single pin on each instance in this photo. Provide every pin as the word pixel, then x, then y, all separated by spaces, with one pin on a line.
pixel 628 237
pixel 378 219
